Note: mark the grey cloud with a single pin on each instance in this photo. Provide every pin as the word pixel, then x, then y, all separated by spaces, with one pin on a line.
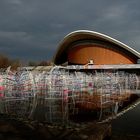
pixel 32 29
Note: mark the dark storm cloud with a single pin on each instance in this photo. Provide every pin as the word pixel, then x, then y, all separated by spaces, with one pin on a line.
pixel 32 29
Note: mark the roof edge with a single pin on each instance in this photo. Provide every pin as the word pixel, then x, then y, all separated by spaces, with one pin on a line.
pixel 69 36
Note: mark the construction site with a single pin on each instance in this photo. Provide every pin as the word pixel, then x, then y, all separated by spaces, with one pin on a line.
pixel 93 80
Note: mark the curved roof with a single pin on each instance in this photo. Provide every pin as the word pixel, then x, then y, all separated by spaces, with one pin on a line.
pixel 86 35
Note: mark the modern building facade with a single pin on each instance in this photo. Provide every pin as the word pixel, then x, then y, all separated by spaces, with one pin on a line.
pixel 83 46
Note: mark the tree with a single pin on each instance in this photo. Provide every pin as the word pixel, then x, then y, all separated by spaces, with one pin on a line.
pixel 44 63
pixel 4 61
pixel 15 64
pixel 32 63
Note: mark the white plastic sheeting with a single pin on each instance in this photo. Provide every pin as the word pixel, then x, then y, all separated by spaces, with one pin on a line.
pixel 55 95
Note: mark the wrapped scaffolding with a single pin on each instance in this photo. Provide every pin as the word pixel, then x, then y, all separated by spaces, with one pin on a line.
pixel 18 93
pixel 105 90
pixel 62 93
pixel 57 95
pixel 3 88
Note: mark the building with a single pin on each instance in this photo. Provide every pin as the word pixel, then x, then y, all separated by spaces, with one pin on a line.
pixel 83 46
pixel 113 66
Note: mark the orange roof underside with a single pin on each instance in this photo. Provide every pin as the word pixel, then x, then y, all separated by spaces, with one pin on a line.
pixel 82 54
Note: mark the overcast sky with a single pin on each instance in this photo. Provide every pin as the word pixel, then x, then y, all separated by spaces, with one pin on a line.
pixel 32 29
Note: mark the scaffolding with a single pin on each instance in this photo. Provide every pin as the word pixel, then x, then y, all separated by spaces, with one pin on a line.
pixel 18 92
pixel 55 95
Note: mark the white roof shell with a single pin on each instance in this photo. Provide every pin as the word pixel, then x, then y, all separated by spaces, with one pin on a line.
pixel 86 34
